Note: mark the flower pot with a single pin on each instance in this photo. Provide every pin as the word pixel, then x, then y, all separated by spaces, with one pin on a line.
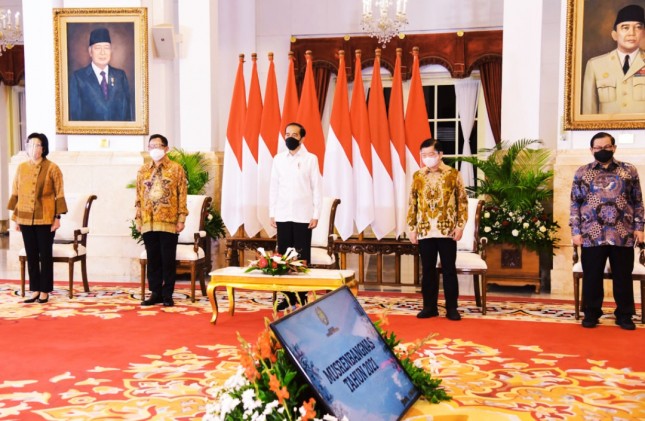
pixel 513 265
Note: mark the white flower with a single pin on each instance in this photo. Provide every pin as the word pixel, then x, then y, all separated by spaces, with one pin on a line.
pixel 249 401
pixel 487 229
pixel 510 214
pixel 542 228
pixel 261 251
pixel 486 214
pixel 515 233
pixel 525 225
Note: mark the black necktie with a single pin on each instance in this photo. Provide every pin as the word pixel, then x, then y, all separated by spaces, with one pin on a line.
pixel 626 65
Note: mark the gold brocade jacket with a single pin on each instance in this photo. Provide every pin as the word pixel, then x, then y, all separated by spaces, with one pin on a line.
pixel 438 202
pixel 161 196
pixel 37 194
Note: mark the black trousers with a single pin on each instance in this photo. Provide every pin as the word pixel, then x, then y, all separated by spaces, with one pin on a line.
pixel 447 250
pixel 298 236
pixel 161 248
pixel 39 241
pixel 593 261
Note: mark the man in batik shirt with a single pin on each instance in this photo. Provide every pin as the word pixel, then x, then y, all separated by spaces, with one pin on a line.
pixel 436 219
pixel 161 213
pixel 607 221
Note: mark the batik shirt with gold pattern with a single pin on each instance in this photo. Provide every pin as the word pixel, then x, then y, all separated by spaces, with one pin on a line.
pixel 438 202
pixel 161 196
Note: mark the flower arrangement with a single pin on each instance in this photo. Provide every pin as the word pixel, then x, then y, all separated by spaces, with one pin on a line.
pixel 532 228
pixel 267 387
pixel 273 263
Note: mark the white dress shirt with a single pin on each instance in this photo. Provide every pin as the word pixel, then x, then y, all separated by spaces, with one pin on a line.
pixel 295 193
pixel 97 72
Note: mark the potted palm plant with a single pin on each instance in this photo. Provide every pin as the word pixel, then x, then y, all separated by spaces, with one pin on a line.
pixel 516 186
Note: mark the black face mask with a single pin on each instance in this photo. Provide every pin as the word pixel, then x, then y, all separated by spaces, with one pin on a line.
pixel 603 156
pixel 292 143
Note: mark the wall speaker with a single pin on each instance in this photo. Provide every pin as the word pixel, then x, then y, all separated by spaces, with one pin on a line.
pixel 163 37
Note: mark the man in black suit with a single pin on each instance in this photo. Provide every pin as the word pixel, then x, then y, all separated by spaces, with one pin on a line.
pixel 99 92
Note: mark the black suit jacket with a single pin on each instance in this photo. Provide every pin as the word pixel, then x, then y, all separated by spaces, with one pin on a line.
pixel 87 102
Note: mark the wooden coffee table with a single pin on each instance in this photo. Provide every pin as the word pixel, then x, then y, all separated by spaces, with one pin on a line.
pixel 235 277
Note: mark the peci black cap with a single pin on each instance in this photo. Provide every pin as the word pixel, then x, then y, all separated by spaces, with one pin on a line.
pixel 631 13
pixel 99 35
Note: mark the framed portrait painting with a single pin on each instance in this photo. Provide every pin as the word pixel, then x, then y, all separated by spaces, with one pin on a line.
pixel 101 71
pixel 605 65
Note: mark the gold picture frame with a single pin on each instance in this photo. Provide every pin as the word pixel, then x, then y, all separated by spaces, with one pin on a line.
pixel 589 35
pixel 84 105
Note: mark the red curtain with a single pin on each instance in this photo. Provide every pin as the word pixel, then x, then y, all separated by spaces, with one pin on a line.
pixel 321 79
pixel 12 65
pixel 491 77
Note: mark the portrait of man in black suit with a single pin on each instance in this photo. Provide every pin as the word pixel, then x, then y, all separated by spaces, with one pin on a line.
pixel 99 91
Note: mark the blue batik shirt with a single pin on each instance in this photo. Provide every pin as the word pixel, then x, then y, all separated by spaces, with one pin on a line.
pixel 606 204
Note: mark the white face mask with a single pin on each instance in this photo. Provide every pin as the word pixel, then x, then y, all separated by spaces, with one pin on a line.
pixel 431 161
pixel 157 154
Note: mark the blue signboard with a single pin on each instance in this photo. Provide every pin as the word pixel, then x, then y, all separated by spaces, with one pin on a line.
pixel 351 369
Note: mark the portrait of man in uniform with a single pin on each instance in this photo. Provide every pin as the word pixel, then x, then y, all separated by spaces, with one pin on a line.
pixel 100 91
pixel 614 82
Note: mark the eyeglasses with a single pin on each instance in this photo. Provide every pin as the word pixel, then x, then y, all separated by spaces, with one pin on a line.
pixel 159 146
pixel 429 155
pixel 34 145
pixel 600 148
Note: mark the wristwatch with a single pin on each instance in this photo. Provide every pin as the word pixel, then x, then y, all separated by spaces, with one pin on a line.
pixel 57 216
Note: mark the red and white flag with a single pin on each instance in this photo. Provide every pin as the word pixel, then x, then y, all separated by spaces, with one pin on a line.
pixel 232 171
pixel 338 155
pixel 290 103
pixel 309 116
pixel 383 186
pixel 361 152
pixel 417 128
pixel 397 133
pixel 268 146
pixel 250 154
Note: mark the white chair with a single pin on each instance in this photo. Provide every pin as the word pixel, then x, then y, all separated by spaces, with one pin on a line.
pixel 638 275
pixel 469 260
pixel 70 241
pixel 322 237
pixel 191 257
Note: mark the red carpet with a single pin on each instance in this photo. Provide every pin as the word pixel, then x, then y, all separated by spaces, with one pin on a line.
pixel 103 356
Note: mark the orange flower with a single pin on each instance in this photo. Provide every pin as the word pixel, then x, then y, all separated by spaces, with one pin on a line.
pixel 250 370
pixel 264 345
pixel 382 318
pixel 310 413
pixel 281 392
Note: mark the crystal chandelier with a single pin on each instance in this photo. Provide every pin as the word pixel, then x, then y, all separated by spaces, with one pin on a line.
pixel 382 21
pixel 10 30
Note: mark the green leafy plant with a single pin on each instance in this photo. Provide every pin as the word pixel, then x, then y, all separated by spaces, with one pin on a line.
pixel 516 185
pixel 514 173
pixel 196 167
pixel 214 225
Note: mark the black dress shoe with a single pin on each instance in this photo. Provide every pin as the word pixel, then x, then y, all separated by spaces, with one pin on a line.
pixel 283 305
pixel 589 322
pixel 168 302
pixel 154 299
pixel 427 313
pixel 453 314
pixel 626 323
pixel 43 300
pixel 32 299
